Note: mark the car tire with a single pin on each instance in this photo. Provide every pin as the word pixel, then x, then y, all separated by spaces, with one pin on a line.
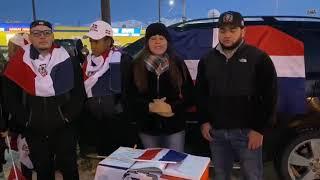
pixel 301 157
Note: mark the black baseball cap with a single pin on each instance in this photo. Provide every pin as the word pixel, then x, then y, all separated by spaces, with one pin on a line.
pixel 231 18
pixel 41 22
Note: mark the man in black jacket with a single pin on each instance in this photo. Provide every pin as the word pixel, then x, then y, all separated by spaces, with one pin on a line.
pixel 43 91
pixel 236 92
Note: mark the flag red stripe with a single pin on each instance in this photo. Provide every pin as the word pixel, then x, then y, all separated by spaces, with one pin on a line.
pixel 274 41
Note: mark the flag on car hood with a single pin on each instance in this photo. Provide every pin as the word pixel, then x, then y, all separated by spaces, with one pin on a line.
pixel 286 52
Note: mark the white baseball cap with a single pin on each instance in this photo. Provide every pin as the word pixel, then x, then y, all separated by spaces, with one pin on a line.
pixel 99 30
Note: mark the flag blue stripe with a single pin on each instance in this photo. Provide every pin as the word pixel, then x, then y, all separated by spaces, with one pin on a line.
pixel 192 44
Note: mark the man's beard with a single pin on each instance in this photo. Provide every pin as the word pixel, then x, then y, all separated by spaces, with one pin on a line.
pixel 233 46
pixel 44 49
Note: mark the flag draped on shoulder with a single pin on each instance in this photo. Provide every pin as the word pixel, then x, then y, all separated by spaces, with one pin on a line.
pixel 39 75
pixel 98 72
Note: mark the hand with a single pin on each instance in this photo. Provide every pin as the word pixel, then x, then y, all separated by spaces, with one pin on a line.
pixel 255 140
pixel 4 134
pixel 160 106
pixel 166 114
pixel 205 131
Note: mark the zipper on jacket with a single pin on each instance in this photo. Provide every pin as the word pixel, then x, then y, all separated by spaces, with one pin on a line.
pixel 29 119
pixel 61 115
pixel 158 96
pixel 158 86
pixel 1 113
pixel 45 107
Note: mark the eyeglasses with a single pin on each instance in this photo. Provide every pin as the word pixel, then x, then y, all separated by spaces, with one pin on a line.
pixel 45 33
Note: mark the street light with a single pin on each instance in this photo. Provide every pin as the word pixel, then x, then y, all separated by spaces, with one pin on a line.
pixel 105 11
pixel 34 10
pixel 184 17
pixel 159 10
pixel 171 2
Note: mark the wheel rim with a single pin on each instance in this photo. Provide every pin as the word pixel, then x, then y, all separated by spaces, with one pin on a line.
pixel 304 160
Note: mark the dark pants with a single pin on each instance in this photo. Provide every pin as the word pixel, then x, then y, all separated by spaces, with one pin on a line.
pixel 173 141
pixel 112 128
pixel 228 145
pixel 57 149
pixel 26 172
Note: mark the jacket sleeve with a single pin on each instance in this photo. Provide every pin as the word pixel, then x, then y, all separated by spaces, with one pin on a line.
pixel 3 114
pixel 186 98
pixel 13 102
pixel 125 66
pixel 77 96
pixel 266 81
pixel 137 101
pixel 202 93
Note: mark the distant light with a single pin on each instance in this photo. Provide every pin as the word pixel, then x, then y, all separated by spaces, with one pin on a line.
pixel 171 2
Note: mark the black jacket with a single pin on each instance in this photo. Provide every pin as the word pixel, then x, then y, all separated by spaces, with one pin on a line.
pixel 152 123
pixel 117 102
pixel 238 93
pixel 44 115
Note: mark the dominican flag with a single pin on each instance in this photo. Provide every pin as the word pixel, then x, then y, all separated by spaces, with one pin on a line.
pixel 162 155
pixel 102 74
pixel 286 52
pixel 53 78
pixel 15 174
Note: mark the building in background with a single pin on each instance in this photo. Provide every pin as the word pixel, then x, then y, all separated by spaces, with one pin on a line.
pixel 122 36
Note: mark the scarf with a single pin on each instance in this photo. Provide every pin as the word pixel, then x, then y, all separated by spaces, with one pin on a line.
pixel 157 64
pixel 96 67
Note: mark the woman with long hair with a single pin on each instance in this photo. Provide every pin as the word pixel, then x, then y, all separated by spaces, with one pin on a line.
pixel 160 91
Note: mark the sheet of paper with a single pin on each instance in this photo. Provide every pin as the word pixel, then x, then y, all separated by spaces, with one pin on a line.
pixel 149 165
pixel 192 167
pixel 122 157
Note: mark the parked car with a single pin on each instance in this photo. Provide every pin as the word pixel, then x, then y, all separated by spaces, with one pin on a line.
pixel 74 47
pixel 293 142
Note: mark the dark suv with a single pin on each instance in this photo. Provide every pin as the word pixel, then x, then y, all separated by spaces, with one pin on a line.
pixel 293 142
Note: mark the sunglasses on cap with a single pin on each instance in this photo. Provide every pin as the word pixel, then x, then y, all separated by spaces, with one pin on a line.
pixel 38 33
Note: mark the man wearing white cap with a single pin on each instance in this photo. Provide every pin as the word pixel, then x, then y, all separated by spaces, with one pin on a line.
pixel 105 71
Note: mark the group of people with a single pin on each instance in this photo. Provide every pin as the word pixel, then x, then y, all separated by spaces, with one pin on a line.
pixel 44 89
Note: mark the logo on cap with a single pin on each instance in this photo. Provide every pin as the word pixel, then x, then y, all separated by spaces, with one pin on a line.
pixel 94 27
pixel 108 32
pixel 228 18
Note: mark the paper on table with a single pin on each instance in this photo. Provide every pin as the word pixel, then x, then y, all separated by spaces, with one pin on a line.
pixel 192 167
pixel 155 167
pixel 122 157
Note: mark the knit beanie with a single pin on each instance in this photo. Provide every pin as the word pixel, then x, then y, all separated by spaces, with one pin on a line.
pixel 157 29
